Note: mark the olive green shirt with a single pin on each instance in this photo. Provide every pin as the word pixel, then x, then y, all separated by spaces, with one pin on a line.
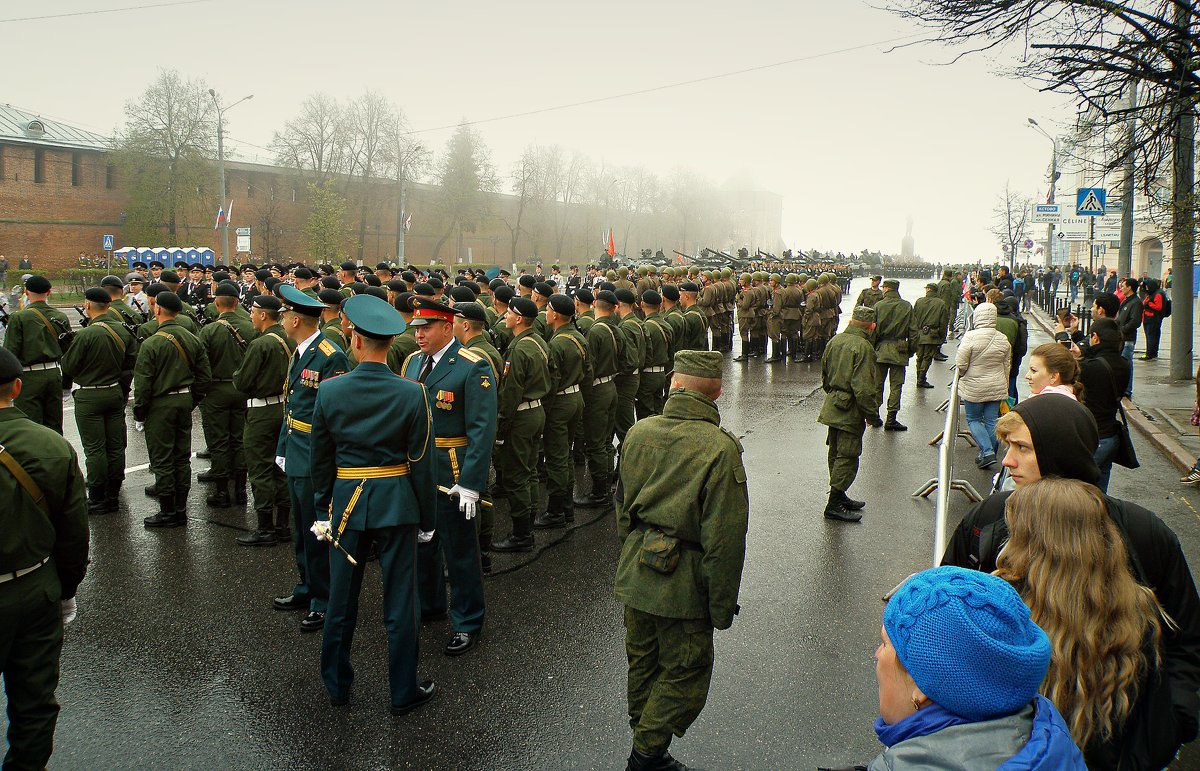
pixel 604 347
pixel 225 341
pixel 633 344
pixel 403 346
pixel 480 344
pixel 849 379
pixel 660 341
pixel 893 328
pixel 104 352
pixel 526 376
pixel 30 339
pixel 265 366
pixel 161 368
pixel 569 364
pixel 333 330
pixel 930 317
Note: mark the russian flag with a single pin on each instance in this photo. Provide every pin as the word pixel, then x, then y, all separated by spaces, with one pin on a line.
pixel 220 218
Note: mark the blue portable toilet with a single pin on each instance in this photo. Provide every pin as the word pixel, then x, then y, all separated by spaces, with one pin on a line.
pixel 207 257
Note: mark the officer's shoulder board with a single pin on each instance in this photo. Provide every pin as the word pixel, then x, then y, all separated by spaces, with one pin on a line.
pixel 469 355
pixel 326 347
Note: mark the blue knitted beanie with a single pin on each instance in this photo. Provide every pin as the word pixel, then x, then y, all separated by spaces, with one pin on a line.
pixel 968 641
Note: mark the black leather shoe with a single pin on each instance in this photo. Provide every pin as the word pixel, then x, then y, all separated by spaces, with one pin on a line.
pixel 313 622
pixel 204 454
pixel 219 499
pixel 283 534
pixel 874 421
pixel 548 520
pixel 513 543
pixel 163 519
pixel 924 384
pixel 151 491
pixel 425 692
pixel 894 425
pixel 941 357
pixel 851 504
pixel 839 512
pixel 289 602
pixel 640 761
pixel 258 538
pixel 206 475
pixel 339 701
pixel 432 615
pixel 461 642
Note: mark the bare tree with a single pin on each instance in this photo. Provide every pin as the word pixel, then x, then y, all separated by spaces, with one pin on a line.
pixel 366 122
pixel 526 186
pixel 313 141
pixel 1010 221
pixel 411 161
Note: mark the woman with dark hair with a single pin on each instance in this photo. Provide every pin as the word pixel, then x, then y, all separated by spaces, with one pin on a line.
pixel 1105 373
pixel 1152 318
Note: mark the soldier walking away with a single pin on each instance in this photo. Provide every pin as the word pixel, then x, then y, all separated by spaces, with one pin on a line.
pixel 38 336
pixel 683 524
pixel 848 377
pixel 44 558
pixel 371 469
pixel 930 317
pixel 893 347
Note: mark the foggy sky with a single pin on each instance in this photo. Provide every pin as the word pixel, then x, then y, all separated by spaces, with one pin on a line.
pixel 855 142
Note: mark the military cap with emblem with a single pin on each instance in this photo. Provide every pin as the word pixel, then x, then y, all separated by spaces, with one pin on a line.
pixel 10 366
pixel 527 281
pixel 180 264
pixel 689 286
pixel 295 300
pixel 170 301
pixel 331 297
pixel 461 294
pixel 706 364
pixel 38 284
pixel 864 314
pixel 472 311
pixel 426 311
pixel 424 289
pixel 97 295
pixel 892 283
pixel 226 289
pixel 563 305
pixel 373 317
pixel 670 292
pixel 134 277
pixel 396 285
pixel 626 296
pixel 503 294
pixel 585 296
pixel 156 264
pixel 651 298
pixel 523 306
pixel 139 266
pixel 496 283
pixel 544 289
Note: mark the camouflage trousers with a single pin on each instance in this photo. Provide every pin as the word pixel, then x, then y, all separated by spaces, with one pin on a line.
pixel 845 448
pixel 670 668
pixel 924 359
pixel 895 374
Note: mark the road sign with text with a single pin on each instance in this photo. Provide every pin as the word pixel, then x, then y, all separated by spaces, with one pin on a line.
pixel 1046 213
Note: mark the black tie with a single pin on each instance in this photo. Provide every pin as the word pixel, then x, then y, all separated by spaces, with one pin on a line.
pixel 425 370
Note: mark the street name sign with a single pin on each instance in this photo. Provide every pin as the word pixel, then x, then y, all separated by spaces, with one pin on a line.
pixel 1046 213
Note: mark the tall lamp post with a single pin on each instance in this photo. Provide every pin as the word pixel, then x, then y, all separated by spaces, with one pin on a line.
pixel 1053 185
pixel 221 165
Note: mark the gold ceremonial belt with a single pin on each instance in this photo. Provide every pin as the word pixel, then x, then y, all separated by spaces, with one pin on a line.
pixel 305 428
pixel 452 441
pixel 373 472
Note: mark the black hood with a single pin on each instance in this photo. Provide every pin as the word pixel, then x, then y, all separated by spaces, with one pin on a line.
pixel 1064 436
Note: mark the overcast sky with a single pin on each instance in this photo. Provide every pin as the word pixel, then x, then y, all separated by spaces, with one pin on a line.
pixel 854 141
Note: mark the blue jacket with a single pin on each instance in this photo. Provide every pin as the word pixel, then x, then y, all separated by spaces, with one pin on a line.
pixel 321 360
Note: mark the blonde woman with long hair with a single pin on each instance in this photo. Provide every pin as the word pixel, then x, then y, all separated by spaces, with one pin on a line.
pixel 1068 560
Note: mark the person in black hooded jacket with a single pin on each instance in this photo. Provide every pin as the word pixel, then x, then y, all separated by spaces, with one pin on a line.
pixel 1052 435
pixel 1010 307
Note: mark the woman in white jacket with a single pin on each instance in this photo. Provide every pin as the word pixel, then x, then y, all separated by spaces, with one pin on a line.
pixel 983 360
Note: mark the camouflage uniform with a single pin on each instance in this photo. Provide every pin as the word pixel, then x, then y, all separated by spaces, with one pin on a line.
pixel 930 316
pixel 893 347
pixel 851 392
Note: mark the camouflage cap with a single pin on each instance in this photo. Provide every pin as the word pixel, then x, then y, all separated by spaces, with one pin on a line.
pixel 864 314
pixel 932 285
pixel 705 364
pixel 892 283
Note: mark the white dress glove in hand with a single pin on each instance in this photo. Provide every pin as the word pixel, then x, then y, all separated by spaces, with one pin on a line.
pixel 467 500
pixel 139 425
pixel 323 529
pixel 281 462
pixel 69 609
pixel 423 537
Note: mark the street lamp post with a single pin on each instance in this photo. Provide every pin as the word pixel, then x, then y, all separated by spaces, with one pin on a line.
pixel 1053 185
pixel 221 165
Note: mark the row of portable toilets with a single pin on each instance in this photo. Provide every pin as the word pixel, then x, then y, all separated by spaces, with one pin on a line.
pixel 168 256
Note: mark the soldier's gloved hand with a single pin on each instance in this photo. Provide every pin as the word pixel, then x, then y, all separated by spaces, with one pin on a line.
pixel 69 610
pixel 323 529
pixel 467 500
pixel 281 462
pixel 424 537
pixel 139 425
pixel 499 442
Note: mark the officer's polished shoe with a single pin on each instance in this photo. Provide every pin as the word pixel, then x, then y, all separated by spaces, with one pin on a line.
pixel 166 516
pixel 851 504
pixel 425 692
pixel 313 622
pixel 206 475
pixel 514 543
pixel 461 642
pixel 433 615
pixel 204 454
pixel 640 761
pixel 549 519
pixel 289 602
pixel 258 538
pixel 923 383
pixel 874 421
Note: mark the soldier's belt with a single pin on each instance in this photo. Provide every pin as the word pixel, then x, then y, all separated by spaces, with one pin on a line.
pixel 529 405
pixel 39 367
pixel 602 380
pixel 97 387
pixel 653 370
pixel 569 390
pixel 373 472
pixel 5 578
pixel 178 392
pixel 447 442
pixel 221 380
pixel 265 402
pixel 302 427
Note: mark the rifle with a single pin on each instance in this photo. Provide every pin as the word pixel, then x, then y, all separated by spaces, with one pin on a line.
pixel 3 316
pixel 83 317
pixel 145 313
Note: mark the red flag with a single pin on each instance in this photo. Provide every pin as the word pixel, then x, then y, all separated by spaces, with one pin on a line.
pixel 612 245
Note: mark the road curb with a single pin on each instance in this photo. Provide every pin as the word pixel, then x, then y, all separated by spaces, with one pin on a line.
pixel 1166 444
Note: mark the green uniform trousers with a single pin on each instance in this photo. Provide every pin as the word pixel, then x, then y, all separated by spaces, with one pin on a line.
pixel 670 667
pixel 924 359
pixel 599 425
pixel 312 556
pixel 894 373
pixel 520 455
pixel 269 485
pixel 100 417
pixel 169 443
pixel 223 418
pixel 845 447
pixel 627 389
pixel 41 398
pixel 650 394
pixel 452 554
pixel 562 415
pixel 31 636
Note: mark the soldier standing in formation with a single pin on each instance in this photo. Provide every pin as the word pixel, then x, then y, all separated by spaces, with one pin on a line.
pixel 745 319
pixel 660 343
pixel 695 326
pixel 223 411
pixel 930 317
pixel 775 320
pixel 791 311
pixel 849 379
pixel 870 295
pixel 951 293
pixel 633 358
pixel 569 367
pixel 600 398
pixel 38 335
pixel 894 335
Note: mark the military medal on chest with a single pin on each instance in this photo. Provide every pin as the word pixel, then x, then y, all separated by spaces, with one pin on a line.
pixel 445 400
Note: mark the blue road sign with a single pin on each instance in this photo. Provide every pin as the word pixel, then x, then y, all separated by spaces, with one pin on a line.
pixel 108 242
pixel 1089 201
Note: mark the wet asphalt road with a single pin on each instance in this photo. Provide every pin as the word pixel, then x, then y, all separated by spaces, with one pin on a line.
pixel 178 661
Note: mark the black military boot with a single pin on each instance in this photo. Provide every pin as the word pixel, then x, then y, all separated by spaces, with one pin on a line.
pixel 873 420
pixel 220 498
pixel 521 538
pixel 756 347
pixel 206 475
pixel 166 514
pixel 746 350
pixel 599 497
pixel 923 381
pixel 549 519
pixel 151 491
pixel 892 424
pixel 640 761
pixel 112 491
pixel 204 454
pixel 97 498
pixel 850 503
pixel 777 356
pixel 264 535
pixel 835 508
pixel 283 523
pixel 239 488
pixel 568 512
pixel 181 497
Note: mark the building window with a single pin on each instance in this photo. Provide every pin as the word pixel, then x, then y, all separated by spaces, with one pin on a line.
pixel 39 165
pixel 110 176
pixel 76 169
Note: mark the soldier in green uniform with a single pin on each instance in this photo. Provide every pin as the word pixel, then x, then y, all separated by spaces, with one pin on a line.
pixel 693 319
pixel 569 368
pixel 116 292
pixel 524 382
pixel 633 358
pixel 101 366
pixel 930 317
pixel 461 384
pixel 373 472
pixel 775 320
pixel 672 315
pixel 502 335
pixel 315 362
pixel 170 378
pixel 150 326
pixel 791 311
pixel 872 294
pixel 331 317
pixel 711 304
pixel 405 343
pixel 660 350
pixel 810 327
pixel 585 317
pixel 725 320
pixel 950 291
pixel 848 377
pixel 261 377
pixel 38 336
pixel 600 398
pixel 223 412
pixel 745 318
pixel 682 523
pixel 894 343
pixel 44 558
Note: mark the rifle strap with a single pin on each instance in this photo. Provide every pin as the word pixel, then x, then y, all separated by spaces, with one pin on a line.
pixel 182 353
pixel 24 480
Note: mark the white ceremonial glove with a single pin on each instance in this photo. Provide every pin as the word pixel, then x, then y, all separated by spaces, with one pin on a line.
pixel 467 500
pixel 281 462
pixel 139 425
pixel 69 609
pixel 499 442
pixel 323 530
pixel 67 395
pixel 423 537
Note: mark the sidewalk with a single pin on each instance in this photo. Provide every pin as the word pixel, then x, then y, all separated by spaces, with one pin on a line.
pixel 1161 408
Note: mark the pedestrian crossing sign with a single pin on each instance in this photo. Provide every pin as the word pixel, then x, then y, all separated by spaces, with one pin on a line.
pixel 108 242
pixel 1089 201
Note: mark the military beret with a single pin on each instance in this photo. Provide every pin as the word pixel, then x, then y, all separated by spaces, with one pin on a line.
pixel 436 283
pixel 348 266
pixel 262 274
pixel 472 311
pixel 503 294
pixel 496 283
pixel 331 297
pixel 170 301
pixel 585 296
pixel 461 294
pixel 403 302
pixel 396 285
pixel 864 314
pixel 331 282
pixel 170 278
pixel 606 296
pixel 302 273
pixel 220 276
pixel 626 296
pixel 226 289
pixel 154 289
pixel 10 366
pixel 689 286
pixel 607 285
pixel 527 281
pixel 892 283
pixel 544 289
pixel 562 304
pixel 382 266
pixel 409 276
pixel 375 291
pixel 670 292
pixel 424 289
pixel 523 306
pixel 37 284
pixel 96 294
pixel 373 317
pixel 267 302
pixel 651 298
pixel 932 285
pixel 113 281
pixel 295 300
pixel 705 364
pixel 372 280
pixel 156 264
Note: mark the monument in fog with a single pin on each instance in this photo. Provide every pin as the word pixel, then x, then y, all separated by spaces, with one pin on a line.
pixel 907 249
